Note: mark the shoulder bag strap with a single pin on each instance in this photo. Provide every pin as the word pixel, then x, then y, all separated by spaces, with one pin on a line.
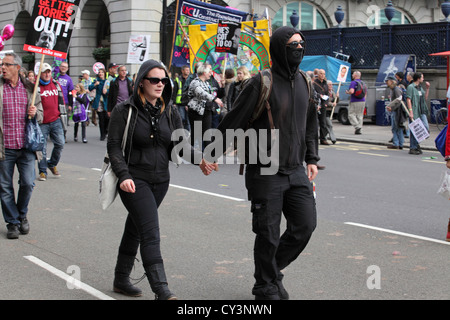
pixel 125 133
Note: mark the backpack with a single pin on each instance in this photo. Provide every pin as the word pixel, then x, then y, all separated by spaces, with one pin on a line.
pixel 360 90
pixel 263 101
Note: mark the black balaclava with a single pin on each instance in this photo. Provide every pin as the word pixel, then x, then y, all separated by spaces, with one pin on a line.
pixel 294 57
pixel 285 60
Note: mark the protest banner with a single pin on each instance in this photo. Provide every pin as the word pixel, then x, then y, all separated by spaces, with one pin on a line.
pixel 192 12
pixel 51 27
pixel 228 37
pixel 253 53
pixel 419 131
pixel 137 49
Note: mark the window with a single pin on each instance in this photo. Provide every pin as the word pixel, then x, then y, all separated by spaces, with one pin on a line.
pixel 310 17
pixel 379 18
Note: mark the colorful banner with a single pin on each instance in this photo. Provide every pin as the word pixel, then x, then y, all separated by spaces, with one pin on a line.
pixel 51 28
pixel 192 12
pixel 253 47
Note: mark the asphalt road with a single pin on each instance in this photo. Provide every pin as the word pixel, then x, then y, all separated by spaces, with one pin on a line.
pixel 207 240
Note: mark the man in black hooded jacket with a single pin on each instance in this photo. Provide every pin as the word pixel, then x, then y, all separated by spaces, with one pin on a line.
pixel 289 190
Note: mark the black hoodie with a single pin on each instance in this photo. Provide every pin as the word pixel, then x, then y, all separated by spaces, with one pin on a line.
pixel 149 146
pixel 293 116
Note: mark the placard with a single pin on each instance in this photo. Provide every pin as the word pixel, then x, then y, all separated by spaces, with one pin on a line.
pixel 51 27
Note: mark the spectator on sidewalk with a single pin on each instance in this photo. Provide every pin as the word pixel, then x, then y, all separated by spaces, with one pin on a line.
pixel 357 105
pixel 52 100
pixel 416 99
pixel 398 113
pixel 15 105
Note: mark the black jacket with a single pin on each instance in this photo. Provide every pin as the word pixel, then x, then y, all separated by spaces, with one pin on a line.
pixel 293 115
pixel 147 157
pixel 114 92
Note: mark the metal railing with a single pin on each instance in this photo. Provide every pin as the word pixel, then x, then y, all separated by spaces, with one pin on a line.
pixel 367 46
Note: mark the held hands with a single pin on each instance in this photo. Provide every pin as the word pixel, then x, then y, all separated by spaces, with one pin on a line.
pixel 208 167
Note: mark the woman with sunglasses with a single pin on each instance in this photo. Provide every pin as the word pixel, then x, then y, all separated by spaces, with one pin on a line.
pixel 143 172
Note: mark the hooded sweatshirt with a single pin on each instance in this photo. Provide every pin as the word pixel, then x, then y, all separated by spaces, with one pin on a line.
pixel 149 145
pixel 293 115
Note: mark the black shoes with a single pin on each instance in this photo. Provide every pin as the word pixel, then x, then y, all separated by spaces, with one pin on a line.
pixel 24 226
pixel 14 230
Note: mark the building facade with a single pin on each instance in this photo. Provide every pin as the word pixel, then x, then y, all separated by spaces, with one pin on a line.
pixel 110 23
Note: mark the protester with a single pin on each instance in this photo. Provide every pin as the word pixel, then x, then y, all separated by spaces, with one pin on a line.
pixel 356 107
pixel 112 71
pixel 144 181
pixel 178 94
pixel 86 81
pixel 31 76
pixel 15 105
pixel 66 83
pixel 398 113
pixel 416 99
pixel 321 87
pixel 80 106
pixel 242 75
pixel 201 105
pixel 218 91
pixel 52 100
pixel 120 89
pixel 330 105
pixel 100 103
pixel 289 190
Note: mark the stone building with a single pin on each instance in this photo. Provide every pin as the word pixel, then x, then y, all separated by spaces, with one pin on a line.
pixel 110 23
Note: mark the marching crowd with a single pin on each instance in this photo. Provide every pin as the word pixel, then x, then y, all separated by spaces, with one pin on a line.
pixel 155 104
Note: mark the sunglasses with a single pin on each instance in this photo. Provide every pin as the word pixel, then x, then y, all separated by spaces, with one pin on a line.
pixel 294 44
pixel 155 81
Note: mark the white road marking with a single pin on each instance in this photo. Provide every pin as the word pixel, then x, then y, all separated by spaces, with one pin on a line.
pixel 208 193
pixel 397 233
pixel 69 279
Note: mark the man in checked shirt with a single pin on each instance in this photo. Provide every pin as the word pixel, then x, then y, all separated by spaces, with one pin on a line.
pixel 15 107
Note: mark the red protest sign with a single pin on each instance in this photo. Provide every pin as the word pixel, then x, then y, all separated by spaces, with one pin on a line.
pixel 52 25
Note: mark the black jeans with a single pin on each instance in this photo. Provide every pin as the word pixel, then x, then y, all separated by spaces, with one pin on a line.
pixel 270 196
pixel 142 224
pixel 206 122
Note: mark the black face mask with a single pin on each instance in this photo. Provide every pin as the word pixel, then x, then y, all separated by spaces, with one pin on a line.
pixel 294 56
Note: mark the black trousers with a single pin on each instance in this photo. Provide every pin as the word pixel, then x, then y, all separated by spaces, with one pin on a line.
pixel 271 196
pixel 206 123
pixel 142 224
pixel 323 127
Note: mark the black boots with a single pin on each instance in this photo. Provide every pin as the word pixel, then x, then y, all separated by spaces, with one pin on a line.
pixel 122 273
pixel 158 282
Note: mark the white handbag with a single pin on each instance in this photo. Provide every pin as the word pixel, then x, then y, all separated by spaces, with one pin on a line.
pixel 108 179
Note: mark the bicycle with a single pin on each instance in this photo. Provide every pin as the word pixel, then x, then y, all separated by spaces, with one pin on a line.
pixel 441 118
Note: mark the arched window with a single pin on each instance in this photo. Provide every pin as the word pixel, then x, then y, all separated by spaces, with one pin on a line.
pixel 379 18
pixel 310 18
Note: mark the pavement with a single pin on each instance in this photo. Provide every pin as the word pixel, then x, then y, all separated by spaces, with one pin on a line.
pixel 379 135
pixel 207 247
